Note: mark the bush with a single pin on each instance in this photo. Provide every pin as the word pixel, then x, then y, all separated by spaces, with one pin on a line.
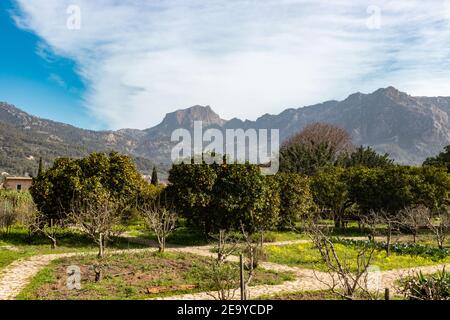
pixel 432 287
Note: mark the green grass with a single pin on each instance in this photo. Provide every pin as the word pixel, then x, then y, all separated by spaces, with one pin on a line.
pixel 128 277
pixel 306 256
pixel 278 236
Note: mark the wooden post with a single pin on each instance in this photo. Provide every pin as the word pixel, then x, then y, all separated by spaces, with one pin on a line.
pixel 386 294
pixel 241 266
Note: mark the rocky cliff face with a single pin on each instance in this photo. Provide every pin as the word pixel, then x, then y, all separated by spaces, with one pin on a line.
pixel 408 128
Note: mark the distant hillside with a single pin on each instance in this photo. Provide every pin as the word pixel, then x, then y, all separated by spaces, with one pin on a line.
pixel 409 128
pixel 25 138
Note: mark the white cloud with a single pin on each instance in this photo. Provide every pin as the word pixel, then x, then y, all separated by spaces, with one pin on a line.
pixel 142 59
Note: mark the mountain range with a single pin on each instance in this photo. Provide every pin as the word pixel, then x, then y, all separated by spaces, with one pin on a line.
pixel 409 128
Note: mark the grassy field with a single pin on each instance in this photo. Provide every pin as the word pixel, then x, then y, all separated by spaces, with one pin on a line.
pixel 131 276
pixel 306 256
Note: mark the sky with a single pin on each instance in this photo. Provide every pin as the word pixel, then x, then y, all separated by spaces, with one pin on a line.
pixel 110 64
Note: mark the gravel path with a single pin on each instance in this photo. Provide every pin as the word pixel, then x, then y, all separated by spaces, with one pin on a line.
pixel 15 277
pixel 18 274
pixel 309 280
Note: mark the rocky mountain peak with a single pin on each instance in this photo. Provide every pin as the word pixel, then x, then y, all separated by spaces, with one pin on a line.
pixel 185 118
pixel 390 92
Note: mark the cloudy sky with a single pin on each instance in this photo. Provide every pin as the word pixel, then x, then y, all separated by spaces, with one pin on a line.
pixel 116 64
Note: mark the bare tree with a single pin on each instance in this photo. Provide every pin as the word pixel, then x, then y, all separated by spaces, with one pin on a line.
pixel 98 218
pixel 381 223
pixel 345 278
pixel 51 228
pixel 440 226
pixel 29 218
pixel 223 276
pixel 414 218
pixel 252 251
pixel 161 220
pixel 319 133
pixel 226 245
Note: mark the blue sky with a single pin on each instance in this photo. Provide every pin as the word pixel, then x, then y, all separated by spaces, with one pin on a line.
pixel 127 63
pixel 46 86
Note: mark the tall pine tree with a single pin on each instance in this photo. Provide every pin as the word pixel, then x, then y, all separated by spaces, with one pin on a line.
pixel 41 167
pixel 154 177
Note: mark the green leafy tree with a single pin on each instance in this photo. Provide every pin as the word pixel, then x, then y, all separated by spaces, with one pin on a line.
pixel 41 167
pixel 191 191
pixel 441 160
pixel 296 198
pixel 243 196
pixel 392 189
pixel 367 157
pixel 214 197
pixel 331 193
pixel 305 160
pixel 55 190
pixel 154 177
pixel 318 145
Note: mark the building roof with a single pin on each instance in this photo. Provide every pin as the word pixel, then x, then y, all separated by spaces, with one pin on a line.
pixel 18 178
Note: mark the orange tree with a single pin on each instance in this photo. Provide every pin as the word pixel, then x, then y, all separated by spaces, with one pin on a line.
pixel 227 196
pixel 55 190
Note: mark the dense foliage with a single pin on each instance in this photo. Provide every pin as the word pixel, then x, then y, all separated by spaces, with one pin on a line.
pixel 366 157
pixel 55 189
pixel 296 198
pixel 316 146
pixel 331 192
pixel 396 187
pixel 441 160
pixel 214 197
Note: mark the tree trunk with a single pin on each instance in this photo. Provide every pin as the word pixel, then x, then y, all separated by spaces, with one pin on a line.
pixel 54 243
pixel 100 246
pixel 337 221
pixel 441 243
pixel 162 245
pixel 388 242
pixel 98 274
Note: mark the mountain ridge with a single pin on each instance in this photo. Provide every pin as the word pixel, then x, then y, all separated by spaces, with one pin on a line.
pixel 409 128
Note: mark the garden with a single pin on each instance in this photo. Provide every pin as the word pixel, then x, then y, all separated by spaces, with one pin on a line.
pixel 325 227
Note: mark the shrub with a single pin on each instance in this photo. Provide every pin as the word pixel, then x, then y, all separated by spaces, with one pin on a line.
pixel 432 287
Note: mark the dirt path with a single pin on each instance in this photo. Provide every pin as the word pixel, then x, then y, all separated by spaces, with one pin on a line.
pixel 15 277
pixel 309 280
